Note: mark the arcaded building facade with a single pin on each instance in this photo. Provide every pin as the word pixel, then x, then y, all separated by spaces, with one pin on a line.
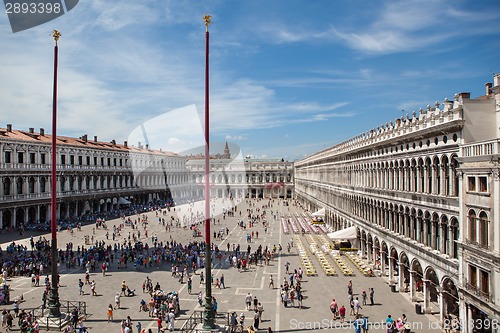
pixel 92 176
pixel 424 193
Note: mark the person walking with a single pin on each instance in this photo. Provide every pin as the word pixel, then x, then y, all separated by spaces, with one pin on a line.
pixel 256 320
pixel 190 285
pixel 260 309
pixel 92 288
pixel 363 296
pixel 124 289
pixel 248 301
pixel 389 323
pixel 117 301
pixel 365 324
pixel 110 313
pixel 334 308
pixel 221 282
pixel 159 323
pixel 271 282
pixel 372 292
pixel 171 320
pixel 358 323
pixel 357 306
pixel 300 297
pixel 80 287
pixel 342 311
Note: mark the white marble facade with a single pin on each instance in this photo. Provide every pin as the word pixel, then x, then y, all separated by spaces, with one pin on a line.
pixel 424 194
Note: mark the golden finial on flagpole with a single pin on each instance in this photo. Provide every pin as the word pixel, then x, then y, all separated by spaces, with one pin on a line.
pixel 56 34
pixel 207 18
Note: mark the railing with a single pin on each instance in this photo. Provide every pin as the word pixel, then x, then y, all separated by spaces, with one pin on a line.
pixel 482 148
pixel 487 296
pixel 196 318
pixel 478 244
pixel 42 314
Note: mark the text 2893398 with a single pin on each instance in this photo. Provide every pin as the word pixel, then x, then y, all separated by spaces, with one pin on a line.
pixel 33 7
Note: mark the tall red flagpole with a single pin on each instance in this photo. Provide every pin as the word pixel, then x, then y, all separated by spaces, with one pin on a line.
pixel 54 305
pixel 209 313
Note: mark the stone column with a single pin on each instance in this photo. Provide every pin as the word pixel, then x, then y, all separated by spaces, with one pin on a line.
pixel 14 217
pixel 434 227
pixel 442 305
pixel 47 214
pixel 443 238
pixel 452 180
pixel 391 270
pixel 362 247
pixel 1 219
pixel 413 296
pixel 382 263
pixel 425 187
pixel 38 214
pixel 463 312
pixel 374 254
pixel 442 179
pixel 427 296
pixel 418 236
pixel 426 232
pixel 401 285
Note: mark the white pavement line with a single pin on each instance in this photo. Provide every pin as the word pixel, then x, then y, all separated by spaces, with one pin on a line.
pixel 278 307
pixel 237 292
pixel 150 325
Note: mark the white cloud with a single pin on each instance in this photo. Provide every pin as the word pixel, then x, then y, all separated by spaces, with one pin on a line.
pixel 235 137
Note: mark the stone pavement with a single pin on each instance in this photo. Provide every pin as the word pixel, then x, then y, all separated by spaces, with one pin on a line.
pixel 318 290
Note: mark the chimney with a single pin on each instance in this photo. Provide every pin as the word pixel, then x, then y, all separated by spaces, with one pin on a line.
pixel 488 88
pixel 42 132
pixel 32 130
pixel 9 127
pixel 139 145
pixel 113 142
pixel 464 95
pixel 125 143
pixel 147 146
pixel 84 138
pixel 95 138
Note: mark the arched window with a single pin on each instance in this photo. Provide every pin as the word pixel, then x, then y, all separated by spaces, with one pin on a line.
pixel 472 226
pixel 19 185
pixel 43 183
pixel 62 183
pixel 6 186
pixel 31 185
pixel 483 229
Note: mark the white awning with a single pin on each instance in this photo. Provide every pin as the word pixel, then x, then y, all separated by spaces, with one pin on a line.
pixel 320 213
pixel 347 233
pixel 123 201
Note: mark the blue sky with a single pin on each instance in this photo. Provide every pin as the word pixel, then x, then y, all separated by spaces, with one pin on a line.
pixel 288 77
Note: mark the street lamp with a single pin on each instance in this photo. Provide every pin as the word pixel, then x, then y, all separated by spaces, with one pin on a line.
pixel 54 305
pixel 209 314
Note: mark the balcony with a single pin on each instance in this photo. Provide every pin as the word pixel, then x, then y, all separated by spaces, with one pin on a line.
pixel 478 245
pixel 481 149
pixel 483 295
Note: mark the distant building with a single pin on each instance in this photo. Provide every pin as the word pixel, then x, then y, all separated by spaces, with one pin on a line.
pixel 424 194
pixel 92 176
pixel 238 177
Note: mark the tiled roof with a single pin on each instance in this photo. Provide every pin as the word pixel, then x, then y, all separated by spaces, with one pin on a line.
pixel 19 135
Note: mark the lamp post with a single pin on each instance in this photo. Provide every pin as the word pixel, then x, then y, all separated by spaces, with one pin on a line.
pixel 209 314
pixel 54 305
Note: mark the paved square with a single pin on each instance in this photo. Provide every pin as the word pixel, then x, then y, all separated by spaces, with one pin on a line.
pixel 318 290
